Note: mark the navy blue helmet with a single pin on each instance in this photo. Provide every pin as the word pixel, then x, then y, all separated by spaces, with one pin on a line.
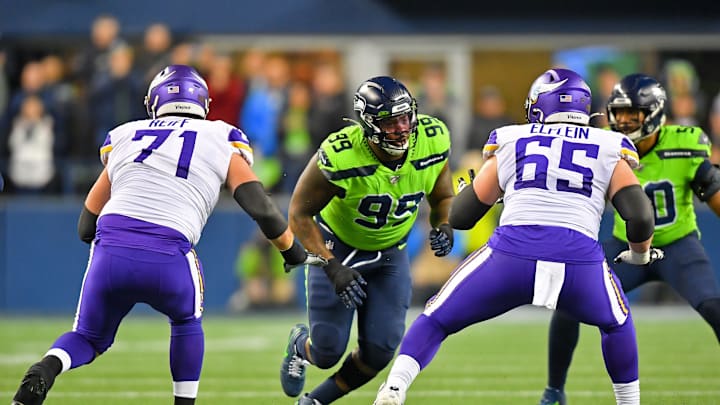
pixel 384 97
pixel 641 92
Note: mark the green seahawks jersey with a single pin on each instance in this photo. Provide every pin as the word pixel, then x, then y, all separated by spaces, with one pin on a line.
pixel 379 205
pixel 665 173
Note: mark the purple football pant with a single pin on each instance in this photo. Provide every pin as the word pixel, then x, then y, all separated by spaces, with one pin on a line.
pixel 119 277
pixel 489 283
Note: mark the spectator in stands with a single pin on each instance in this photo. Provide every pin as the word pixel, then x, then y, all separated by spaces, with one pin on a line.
pixel 62 98
pixel 328 103
pixel 683 110
pixel 262 113
pixel 714 127
pixel 489 112
pixel 155 51
pixel 296 146
pixel 606 76
pixel 114 95
pixel 226 90
pixel 32 84
pixel 434 98
pixel 204 54
pixel 31 161
pixel 686 97
pixel 182 54
pixel 95 59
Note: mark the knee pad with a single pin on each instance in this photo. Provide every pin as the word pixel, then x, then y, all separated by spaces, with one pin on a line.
pixel 375 357
pixel 326 347
pixel 356 372
pixel 186 327
pixel 710 311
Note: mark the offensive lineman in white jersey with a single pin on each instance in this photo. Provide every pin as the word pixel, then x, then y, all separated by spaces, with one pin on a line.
pixel 554 174
pixel 142 218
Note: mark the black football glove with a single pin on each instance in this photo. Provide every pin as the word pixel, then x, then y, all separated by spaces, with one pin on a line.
pixel 462 183
pixel 348 283
pixel 441 240
pixel 296 256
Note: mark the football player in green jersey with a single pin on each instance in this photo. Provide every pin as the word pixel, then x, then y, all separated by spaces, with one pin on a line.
pixel 674 166
pixel 356 202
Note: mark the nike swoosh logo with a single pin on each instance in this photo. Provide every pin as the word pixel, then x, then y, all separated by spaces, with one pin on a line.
pixel 544 88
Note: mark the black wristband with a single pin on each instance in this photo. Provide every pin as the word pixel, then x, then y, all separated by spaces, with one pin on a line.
pixel 295 254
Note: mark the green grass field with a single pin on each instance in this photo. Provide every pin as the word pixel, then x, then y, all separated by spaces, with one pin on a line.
pixel 501 361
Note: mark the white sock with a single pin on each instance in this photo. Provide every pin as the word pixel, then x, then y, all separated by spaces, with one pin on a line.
pixel 628 393
pixel 63 356
pixel 403 372
pixel 186 389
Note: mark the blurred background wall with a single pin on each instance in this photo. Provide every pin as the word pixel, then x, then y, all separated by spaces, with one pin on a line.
pixel 285 72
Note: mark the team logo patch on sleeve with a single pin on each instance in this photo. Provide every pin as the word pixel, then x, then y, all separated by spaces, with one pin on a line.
pixel 323 157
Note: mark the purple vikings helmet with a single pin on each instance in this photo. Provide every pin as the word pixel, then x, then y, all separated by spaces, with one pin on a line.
pixel 558 95
pixel 178 89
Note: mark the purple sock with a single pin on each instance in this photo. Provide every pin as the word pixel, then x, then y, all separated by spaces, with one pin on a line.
pixel 79 349
pixel 619 347
pixel 187 347
pixel 423 340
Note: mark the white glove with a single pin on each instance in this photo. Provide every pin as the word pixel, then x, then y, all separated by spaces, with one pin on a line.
pixel 640 259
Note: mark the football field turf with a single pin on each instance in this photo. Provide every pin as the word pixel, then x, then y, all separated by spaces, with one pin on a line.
pixel 501 361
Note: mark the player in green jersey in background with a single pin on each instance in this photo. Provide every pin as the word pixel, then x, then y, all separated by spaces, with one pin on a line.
pixel 356 202
pixel 674 166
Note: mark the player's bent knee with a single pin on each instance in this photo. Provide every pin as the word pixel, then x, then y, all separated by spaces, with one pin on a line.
pixel 710 311
pixel 375 357
pixel 186 327
pixel 327 347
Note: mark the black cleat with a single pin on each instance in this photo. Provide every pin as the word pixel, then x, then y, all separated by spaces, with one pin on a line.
pixel 34 386
pixel 553 396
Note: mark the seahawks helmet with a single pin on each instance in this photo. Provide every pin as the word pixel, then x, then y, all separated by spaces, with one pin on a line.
pixel 384 97
pixel 177 89
pixel 640 92
pixel 558 95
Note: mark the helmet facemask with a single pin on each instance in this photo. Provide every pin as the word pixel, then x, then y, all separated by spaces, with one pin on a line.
pixel 384 106
pixel 638 92
pixel 394 143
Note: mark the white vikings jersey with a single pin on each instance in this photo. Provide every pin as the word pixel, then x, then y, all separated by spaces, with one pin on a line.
pixel 557 174
pixel 169 171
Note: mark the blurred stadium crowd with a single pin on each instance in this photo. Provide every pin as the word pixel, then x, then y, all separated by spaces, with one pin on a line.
pixel 56 107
